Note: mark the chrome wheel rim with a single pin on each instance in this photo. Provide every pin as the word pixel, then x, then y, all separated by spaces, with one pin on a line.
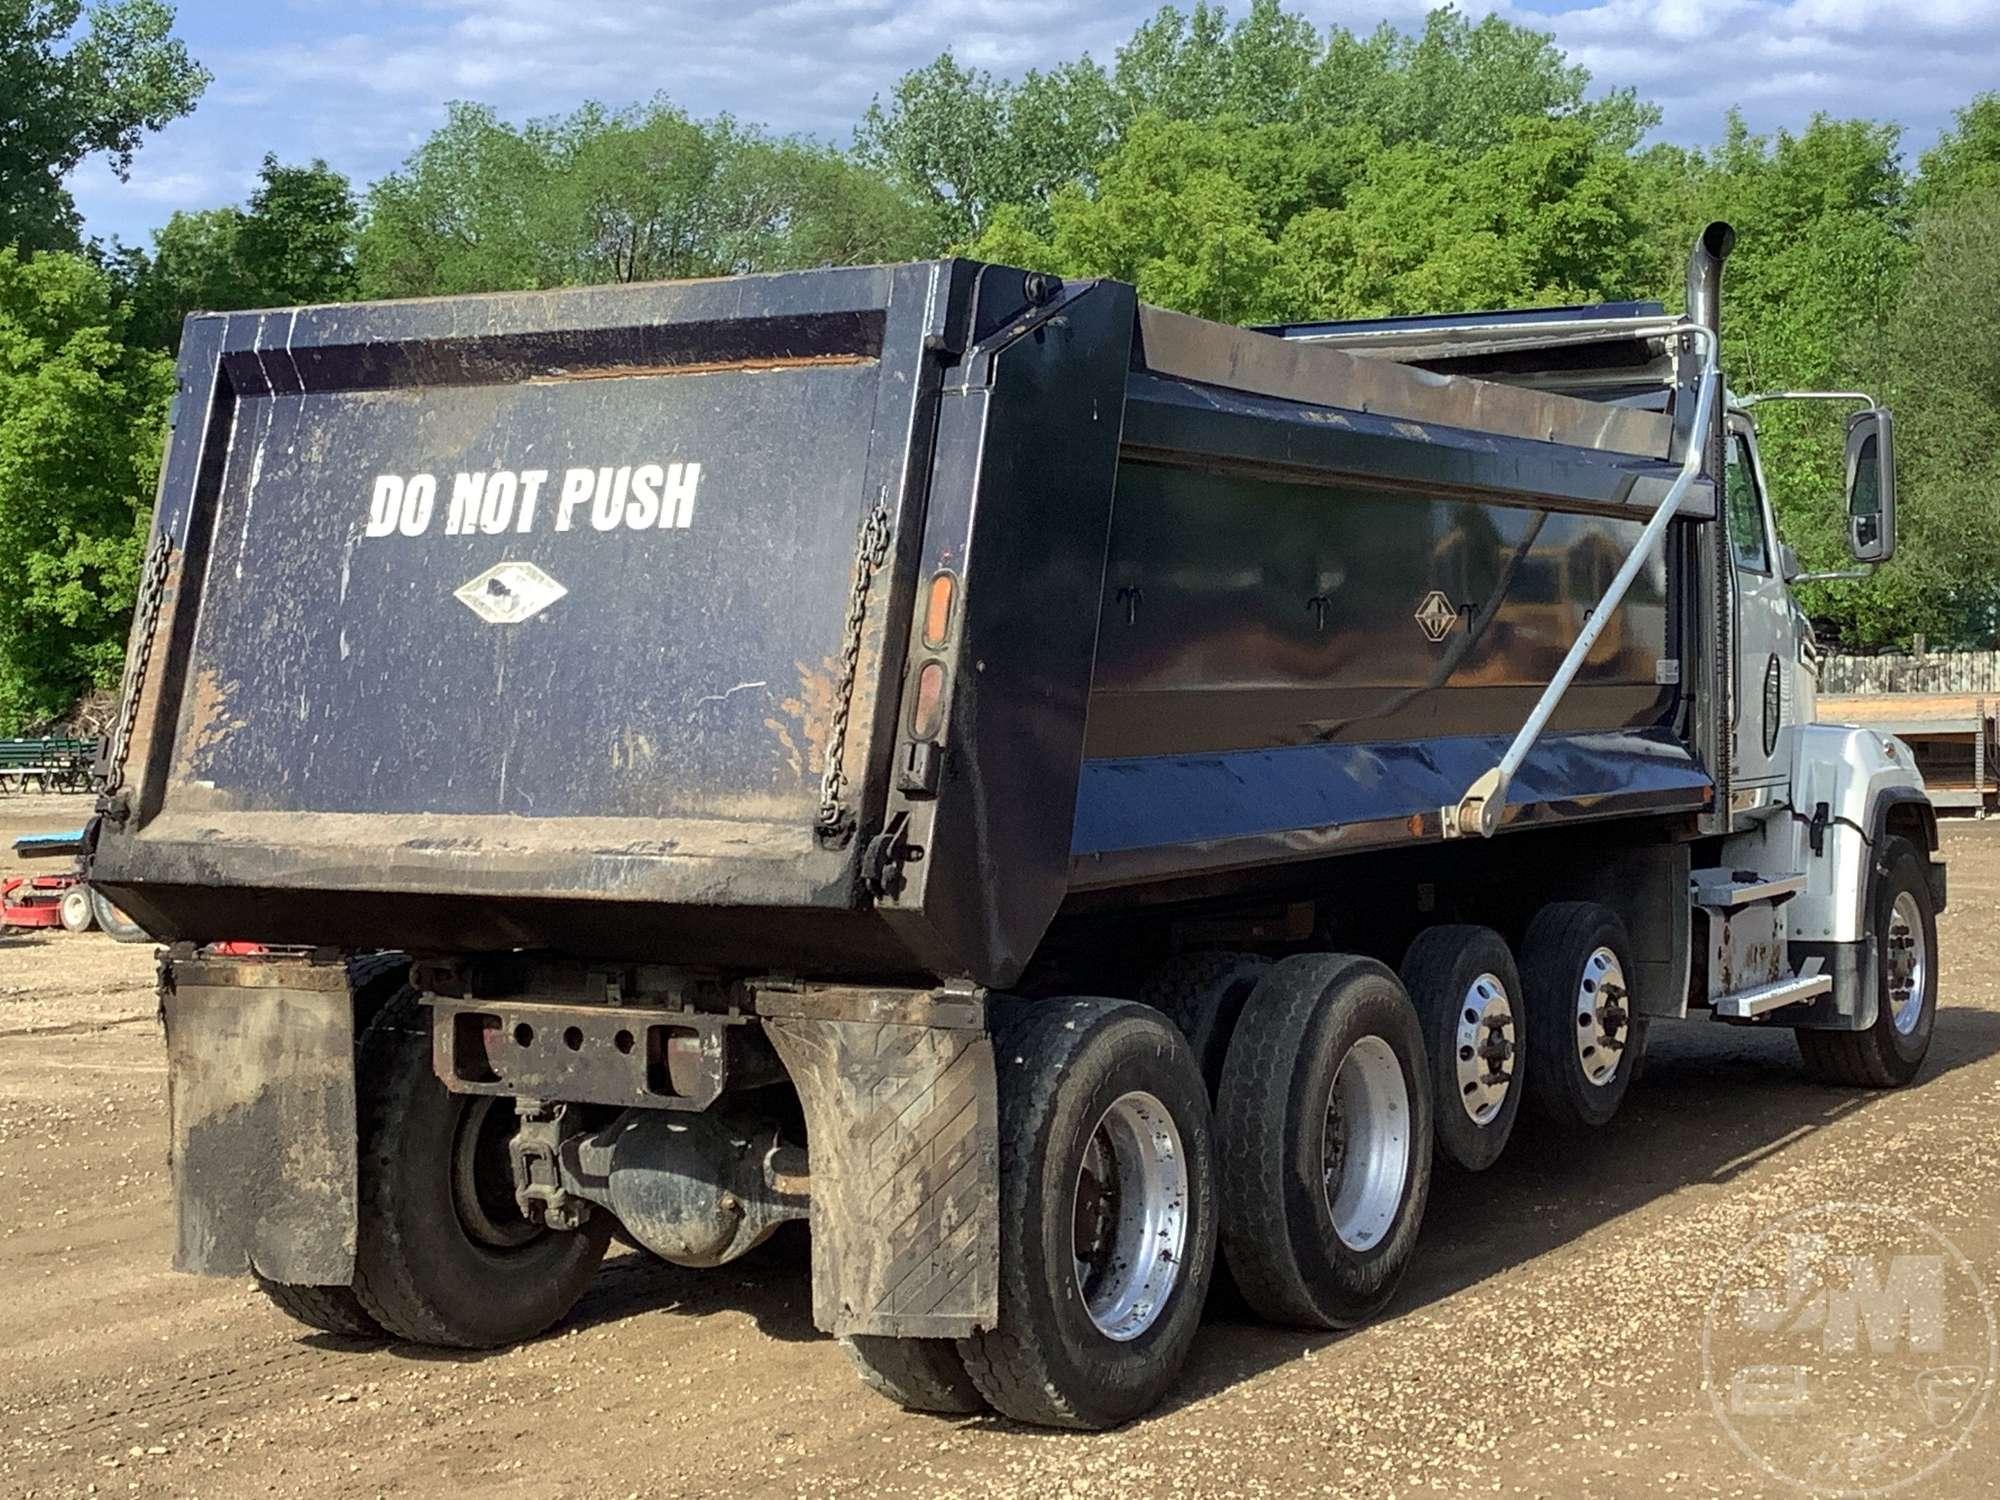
pixel 482 1174
pixel 1129 1216
pixel 1603 1023
pixel 1365 1143
pixel 1484 1048
pixel 1907 963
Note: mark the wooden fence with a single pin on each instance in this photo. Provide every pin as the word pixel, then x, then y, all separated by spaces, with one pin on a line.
pixel 1933 672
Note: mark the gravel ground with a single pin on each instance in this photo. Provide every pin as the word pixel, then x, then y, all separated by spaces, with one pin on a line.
pixel 1547 1342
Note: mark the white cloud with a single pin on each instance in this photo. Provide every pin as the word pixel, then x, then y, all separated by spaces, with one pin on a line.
pixel 361 81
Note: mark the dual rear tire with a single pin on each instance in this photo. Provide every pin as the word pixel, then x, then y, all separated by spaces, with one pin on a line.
pixel 1116 1186
pixel 1324 1123
pixel 1109 1206
pixel 443 1255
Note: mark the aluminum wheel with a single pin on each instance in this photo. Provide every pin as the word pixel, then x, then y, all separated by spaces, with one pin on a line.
pixel 1130 1221
pixel 1908 962
pixel 1602 1021
pixel 482 1174
pixel 1485 1048
pixel 1365 1147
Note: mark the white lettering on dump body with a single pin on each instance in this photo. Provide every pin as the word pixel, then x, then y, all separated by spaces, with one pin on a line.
pixel 493 502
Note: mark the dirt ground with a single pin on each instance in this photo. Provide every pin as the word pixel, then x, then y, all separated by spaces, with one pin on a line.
pixel 1547 1342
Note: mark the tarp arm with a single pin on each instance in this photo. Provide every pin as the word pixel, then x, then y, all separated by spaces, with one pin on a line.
pixel 1479 810
pixel 1851 398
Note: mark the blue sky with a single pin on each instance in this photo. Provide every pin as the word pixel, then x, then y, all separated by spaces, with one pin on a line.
pixel 360 82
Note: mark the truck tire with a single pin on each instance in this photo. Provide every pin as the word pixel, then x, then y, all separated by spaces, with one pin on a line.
pixel 920 1374
pixel 442 1256
pixel 1108 1212
pixel 114 923
pixel 1585 1037
pixel 330 1309
pixel 1203 994
pixel 1467 992
pixel 75 909
pixel 1323 1135
pixel 1888 1054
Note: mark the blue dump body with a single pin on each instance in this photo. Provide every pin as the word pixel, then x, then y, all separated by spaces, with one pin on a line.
pixel 856 621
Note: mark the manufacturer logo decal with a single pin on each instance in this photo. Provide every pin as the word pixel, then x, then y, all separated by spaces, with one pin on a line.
pixel 509 592
pixel 1436 615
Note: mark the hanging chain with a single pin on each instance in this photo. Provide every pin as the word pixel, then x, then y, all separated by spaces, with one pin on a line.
pixel 834 822
pixel 146 618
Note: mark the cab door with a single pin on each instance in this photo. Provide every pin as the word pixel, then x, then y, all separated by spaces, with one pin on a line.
pixel 1764 696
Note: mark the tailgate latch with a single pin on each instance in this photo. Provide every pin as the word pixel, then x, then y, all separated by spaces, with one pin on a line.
pixel 887 853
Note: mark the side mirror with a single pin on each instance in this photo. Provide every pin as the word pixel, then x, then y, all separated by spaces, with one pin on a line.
pixel 1788 563
pixel 1871 486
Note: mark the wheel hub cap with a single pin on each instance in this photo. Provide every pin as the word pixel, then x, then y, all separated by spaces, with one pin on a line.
pixel 1365 1145
pixel 1484 1048
pixel 1906 962
pixel 1603 1023
pixel 1129 1221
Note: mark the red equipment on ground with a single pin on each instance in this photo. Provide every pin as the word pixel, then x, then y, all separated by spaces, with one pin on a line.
pixel 33 900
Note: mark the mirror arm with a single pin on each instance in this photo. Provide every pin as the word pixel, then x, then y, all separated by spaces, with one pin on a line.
pixel 1837 574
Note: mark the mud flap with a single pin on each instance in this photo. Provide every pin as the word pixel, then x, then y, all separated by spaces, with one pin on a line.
pixel 260 1087
pixel 902 1123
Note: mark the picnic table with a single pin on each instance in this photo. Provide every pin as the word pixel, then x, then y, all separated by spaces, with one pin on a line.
pixel 46 765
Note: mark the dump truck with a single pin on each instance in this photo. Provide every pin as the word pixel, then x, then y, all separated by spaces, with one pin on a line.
pixel 1069 800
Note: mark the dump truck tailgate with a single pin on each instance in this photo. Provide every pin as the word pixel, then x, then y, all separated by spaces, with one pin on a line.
pixel 537 594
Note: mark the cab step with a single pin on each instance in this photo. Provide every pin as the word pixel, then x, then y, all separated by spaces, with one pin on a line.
pixel 1748 1005
pixel 1724 890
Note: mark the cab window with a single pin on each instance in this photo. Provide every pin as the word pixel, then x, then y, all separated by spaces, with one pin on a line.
pixel 1746 509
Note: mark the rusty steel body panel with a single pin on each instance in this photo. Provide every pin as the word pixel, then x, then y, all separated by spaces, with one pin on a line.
pixel 1189 632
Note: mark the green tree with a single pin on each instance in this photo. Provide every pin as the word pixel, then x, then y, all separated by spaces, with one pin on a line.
pixel 81 416
pixel 633 195
pixel 1195 65
pixel 1246 222
pixel 970 146
pixel 1940 370
pixel 1966 160
pixel 1457 84
pixel 963 143
pixel 65 96
pixel 292 244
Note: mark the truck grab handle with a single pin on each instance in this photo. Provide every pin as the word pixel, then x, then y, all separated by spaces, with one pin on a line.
pixel 1479 810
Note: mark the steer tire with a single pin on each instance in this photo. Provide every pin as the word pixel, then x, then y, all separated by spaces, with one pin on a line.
pixel 330 1309
pixel 1068 1070
pixel 1281 1232
pixel 1451 972
pixel 1558 957
pixel 1884 1056
pixel 419 1269
pixel 919 1374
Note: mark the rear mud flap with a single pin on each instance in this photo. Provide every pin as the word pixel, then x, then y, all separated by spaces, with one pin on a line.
pixel 902 1125
pixel 260 1059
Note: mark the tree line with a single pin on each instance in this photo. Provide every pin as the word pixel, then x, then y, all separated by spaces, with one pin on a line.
pixel 1250 169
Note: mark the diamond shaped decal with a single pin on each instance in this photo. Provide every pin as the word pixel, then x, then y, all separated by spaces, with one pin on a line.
pixel 509 592
pixel 1436 616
